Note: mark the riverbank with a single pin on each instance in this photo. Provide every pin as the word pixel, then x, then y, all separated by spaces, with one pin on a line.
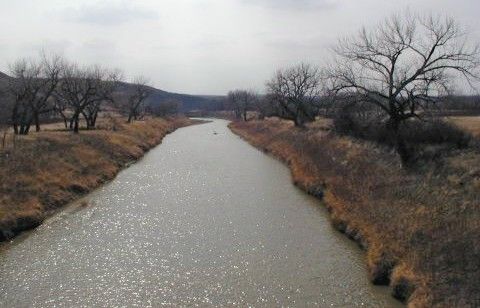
pixel 47 170
pixel 420 231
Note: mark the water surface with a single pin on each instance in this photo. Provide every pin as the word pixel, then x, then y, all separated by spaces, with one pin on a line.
pixel 204 219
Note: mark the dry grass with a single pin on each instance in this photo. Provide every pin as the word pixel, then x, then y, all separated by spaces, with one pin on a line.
pixel 49 169
pixel 421 231
pixel 470 124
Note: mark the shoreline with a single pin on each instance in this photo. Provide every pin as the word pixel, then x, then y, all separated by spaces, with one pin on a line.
pixel 384 267
pixel 107 156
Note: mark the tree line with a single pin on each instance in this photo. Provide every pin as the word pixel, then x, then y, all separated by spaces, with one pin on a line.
pixel 52 86
pixel 393 74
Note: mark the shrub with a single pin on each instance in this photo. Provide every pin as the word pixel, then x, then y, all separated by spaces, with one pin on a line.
pixel 420 135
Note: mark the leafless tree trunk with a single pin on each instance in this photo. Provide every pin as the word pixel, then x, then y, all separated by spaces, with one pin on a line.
pixel 4 139
pixel 60 108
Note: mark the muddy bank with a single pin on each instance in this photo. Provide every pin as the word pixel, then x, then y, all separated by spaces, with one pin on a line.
pixel 47 170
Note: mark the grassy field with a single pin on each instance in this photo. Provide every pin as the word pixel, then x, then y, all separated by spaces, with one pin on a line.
pixel 470 124
pixel 421 230
pixel 43 171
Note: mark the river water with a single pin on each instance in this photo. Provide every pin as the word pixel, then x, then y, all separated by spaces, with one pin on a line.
pixel 202 220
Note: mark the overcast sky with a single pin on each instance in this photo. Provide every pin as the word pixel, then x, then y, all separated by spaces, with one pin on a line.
pixel 199 46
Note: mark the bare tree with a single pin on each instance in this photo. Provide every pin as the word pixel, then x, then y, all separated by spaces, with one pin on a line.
pixel 295 92
pixel 402 66
pixel 104 94
pixel 135 101
pixel 33 86
pixel 20 114
pixel 242 101
pixel 77 90
pixel 84 90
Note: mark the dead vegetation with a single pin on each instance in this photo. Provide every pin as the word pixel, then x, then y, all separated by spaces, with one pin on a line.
pixel 420 230
pixel 468 123
pixel 41 172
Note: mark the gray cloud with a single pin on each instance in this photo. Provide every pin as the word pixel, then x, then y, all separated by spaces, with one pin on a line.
pixel 294 4
pixel 109 13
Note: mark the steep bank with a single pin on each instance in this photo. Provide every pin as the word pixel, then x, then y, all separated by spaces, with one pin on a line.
pixel 47 170
pixel 421 231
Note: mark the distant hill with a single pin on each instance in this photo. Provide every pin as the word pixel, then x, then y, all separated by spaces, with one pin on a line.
pixel 188 102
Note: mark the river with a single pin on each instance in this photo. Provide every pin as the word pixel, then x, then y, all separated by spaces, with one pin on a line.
pixel 202 220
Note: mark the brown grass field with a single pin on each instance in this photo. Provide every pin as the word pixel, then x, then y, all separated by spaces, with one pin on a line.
pixel 421 231
pixel 470 124
pixel 43 171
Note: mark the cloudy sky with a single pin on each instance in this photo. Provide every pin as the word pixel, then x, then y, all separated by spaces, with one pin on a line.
pixel 199 46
